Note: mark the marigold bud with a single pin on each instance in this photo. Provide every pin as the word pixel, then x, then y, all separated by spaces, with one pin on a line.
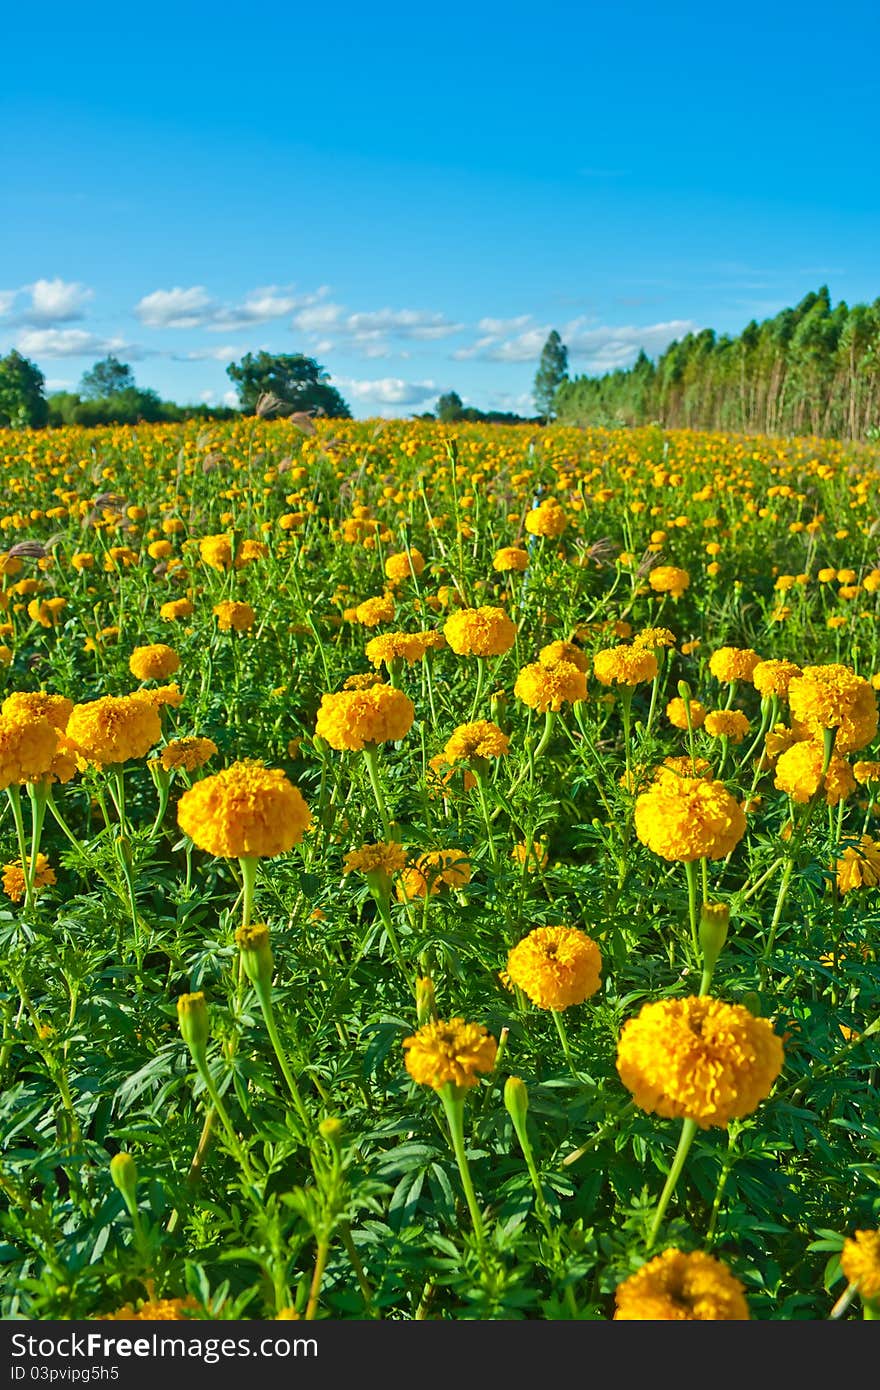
pixel 256 953
pixel 426 1002
pixel 192 1015
pixel 123 1171
pixel 714 922
pixel 516 1100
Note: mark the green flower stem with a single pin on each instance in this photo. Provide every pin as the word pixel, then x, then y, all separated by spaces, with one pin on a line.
pixel 371 758
pixel 549 725
pixel 690 869
pixel 655 686
pixel 248 864
pixel 605 1128
pixel 522 1135
pixel 453 1104
pixel 200 1058
pixel 14 795
pixel 566 1045
pixel 688 1131
pixel 39 794
pixel 626 696
pixel 481 792
pixel 264 995
pixel 478 693
pixel 384 910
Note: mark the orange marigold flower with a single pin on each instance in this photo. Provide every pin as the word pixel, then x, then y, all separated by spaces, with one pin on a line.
pixel 859 866
pixel 624 665
pixel 677 1287
pixel 450 1053
pixel 657 638
pixel 46 612
pixel 385 857
pixel 216 552
pixel 22 704
pixel 531 854
pixel 774 677
pixel 547 519
pixel 188 753
pixel 834 697
pixel 799 772
pixel 563 651
pixel 246 810
pixel 404 564
pixel 397 646
pixel 177 609
pixel 155 1310
pixel 556 966
pixel 777 741
pixel 698 1059
pixel 549 687
pixel 483 631
pixel 865 772
pixel 160 695
pixel 733 663
pixel 153 663
pixel 727 723
pixel 234 616
pixel 668 579
pixel 860 1262
pixel 676 713
pixel 511 557
pixel 14 879
pixel 114 729
pixel 432 872
pixel 351 719
pixel 374 611
pixel 476 742
pixel 684 818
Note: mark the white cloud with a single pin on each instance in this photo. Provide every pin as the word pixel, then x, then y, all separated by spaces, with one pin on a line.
pixel 56 301
pixel 7 299
pixel 219 354
pixel 181 308
pixel 56 384
pixel 230 398
pixel 387 390
pixel 177 308
pixel 72 342
pixel 596 347
pixel 370 331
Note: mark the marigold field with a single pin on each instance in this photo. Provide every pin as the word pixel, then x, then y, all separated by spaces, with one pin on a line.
pixel 441 873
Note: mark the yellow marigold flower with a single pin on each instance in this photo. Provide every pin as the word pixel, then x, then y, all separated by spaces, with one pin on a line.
pixel 698 1059
pixel 860 1262
pixel 727 723
pixel 684 766
pixel 834 697
pixel 432 872
pixel 483 631
pixel 450 1053
pixel 216 552
pixel 22 704
pixel 188 753
pixel 160 695
pixel 549 687
pixel 249 551
pixel 246 810
pixel 859 866
pixel 563 651
pixel 863 771
pixel 733 663
pixel 547 519
pixel 28 744
pixel 374 611
pixel 155 1310
pixel 391 646
pixel 176 609
pixel 402 565
pixel 385 857
pixel 688 648
pixel 13 877
pixel 532 855
pixel 153 663
pixel 676 713
pixel 656 638
pixel 234 616
pixel 440 774
pixel 46 612
pixel 777 741
pixel 160 550
pixel 677 1287
pixel 799 772
pixel 624 665
pixel 364 680
pixel 477 741
pixel 774 677
pixel 82 560
pixel 556 966
pixel 668 579
pixel 683 818
pixel 114 729
pixel 511 557
pixel 351 719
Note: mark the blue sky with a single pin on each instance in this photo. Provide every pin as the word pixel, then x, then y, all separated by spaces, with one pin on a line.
pixel 415 197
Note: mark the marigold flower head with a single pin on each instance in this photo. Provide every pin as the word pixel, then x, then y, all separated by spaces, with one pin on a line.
pixel 799 772
pixel 511 557
pixel 153 663
pixel 531 854
pixel 684 766
pixel 177 609
pixel 216 552
pixel 404 564
pixel 374 611
pixel 860 1262
pixel 23 704
pixel 625 665
pixel 385 857
pixel 545 688
pixel 733 663
pixel 14 879
pixel 564 651
pixel 485 631
pixel 669 579
pixel 865 772
pixel 657 638
pixel 440 775
pixel 676 713
pixel 46 612
pixel 684 818
pixel 727 723
pixel 244 811
pixel 114 729
pixel 155 1310
pixel 698 1059
pixel 834 697
pixel 556 966
pixel 249 551
pixel 397 646
pixel 859 866
pixel 432 872
pixel 450 1053
pixel 679 1287
pixel 351 719
pixel 188 754
pixel 774 677
pixel 234 616
pixel 547 519
pixel 477 741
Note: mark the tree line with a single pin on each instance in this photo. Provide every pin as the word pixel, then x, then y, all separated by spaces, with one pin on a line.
pixel 813 369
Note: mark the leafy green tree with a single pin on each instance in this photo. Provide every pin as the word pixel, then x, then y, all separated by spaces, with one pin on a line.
pixel 449 407
pixel 552 372
pixel 294 381
pixel 109 377
pixel 22 400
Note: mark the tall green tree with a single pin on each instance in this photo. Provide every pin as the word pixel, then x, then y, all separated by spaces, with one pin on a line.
pixel 552 372
pixel 23 402
pixel 449 407
pixel 109 377
pixel 295 381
